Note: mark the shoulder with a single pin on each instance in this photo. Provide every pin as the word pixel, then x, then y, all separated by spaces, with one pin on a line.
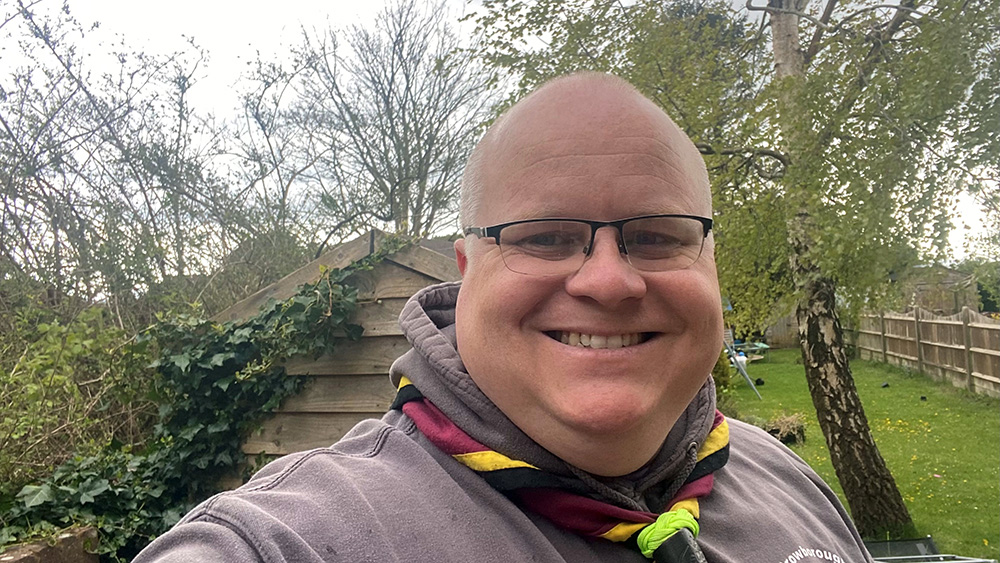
pixel 294 507
pixel 371 446
pixel 768 503
pixel 755 452
pixel 750 444
pixel 368 463
pixel 380 494
pixel 758 460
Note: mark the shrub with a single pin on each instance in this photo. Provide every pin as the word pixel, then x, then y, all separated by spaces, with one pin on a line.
pixel 722 373
pixel 787 428
pixel 212 384
pixel 78 385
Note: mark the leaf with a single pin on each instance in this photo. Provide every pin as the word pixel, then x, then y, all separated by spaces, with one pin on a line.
pixel 220 358
pixel 34 495
pixel 90 489
pixel 181 360
pixel 190 432
pixel 216 427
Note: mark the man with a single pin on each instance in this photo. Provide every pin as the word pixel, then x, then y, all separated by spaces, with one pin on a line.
pixel 556 405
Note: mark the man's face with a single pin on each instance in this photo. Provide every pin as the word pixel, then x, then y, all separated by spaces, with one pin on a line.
pixel 606 410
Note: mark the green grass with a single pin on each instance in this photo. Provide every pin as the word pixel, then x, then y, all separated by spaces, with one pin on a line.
pixel 943 452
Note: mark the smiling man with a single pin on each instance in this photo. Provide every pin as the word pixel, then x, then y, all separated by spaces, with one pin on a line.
pixel 556 405
pixel 589 148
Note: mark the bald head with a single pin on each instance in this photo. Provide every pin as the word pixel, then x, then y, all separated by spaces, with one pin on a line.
pixel 577 105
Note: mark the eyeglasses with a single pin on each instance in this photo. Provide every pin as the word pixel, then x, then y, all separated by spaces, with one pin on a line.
pixel 552 247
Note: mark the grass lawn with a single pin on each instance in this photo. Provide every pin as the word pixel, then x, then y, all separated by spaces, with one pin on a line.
pixel 943 451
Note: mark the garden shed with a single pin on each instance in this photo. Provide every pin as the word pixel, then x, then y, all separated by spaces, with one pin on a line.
pixel 353 383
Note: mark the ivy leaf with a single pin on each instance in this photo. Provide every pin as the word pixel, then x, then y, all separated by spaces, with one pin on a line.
pixel 190 432
pixel 181 360
pixel 354 331
pixel 220 358
pixel 217 427
pixel 33 495
pixel 224 458
pixel 90 489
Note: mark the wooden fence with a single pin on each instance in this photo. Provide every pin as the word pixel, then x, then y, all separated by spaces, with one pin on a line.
pixel 963 348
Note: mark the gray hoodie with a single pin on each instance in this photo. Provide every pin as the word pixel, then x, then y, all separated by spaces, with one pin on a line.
pixel 385 493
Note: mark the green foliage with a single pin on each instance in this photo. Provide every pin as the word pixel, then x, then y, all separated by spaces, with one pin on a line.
pixel 722 374
pixel 939 449
pixel 213 383
pixel 73 385
pixel 987 275
pixel 689 56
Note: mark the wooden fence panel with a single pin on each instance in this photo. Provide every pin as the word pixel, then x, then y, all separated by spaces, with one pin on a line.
pixel 963 349
pixel 870 338
pixel 901 340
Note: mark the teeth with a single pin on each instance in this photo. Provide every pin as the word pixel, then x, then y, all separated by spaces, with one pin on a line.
pixel 599 341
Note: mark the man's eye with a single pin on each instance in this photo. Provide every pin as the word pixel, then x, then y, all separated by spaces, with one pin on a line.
pixel 651 239
pixel 546 240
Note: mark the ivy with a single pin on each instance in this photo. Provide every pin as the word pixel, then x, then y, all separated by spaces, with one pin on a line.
pixel 213 384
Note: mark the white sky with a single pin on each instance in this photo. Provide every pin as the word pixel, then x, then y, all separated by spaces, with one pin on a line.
pixel 233 32
pixel 230 32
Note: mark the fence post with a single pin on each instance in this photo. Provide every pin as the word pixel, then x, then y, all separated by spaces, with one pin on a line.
pixel 920 351
pixel 967 341
pixel 881 330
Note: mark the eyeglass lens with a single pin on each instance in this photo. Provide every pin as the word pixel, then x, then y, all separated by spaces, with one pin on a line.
pixel 561 246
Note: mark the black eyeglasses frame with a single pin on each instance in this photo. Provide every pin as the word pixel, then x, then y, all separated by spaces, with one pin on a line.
pixel 493 231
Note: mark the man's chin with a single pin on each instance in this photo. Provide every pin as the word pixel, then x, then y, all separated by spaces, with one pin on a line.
pixel 611 419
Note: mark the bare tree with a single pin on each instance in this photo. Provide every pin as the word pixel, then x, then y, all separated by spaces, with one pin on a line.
pixel 375 123
pixel 108 182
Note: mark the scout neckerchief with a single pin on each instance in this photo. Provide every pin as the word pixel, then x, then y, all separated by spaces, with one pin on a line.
pixel 664 538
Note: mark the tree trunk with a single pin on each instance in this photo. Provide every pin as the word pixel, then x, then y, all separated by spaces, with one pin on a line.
pixel 875 502
pixel 871 492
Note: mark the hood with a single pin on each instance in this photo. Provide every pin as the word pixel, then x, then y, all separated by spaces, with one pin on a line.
pixel 434 366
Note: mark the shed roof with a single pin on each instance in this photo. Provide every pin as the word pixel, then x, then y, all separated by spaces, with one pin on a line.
pixel 422 260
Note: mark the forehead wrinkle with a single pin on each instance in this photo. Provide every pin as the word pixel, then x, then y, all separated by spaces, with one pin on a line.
pixel 554 210
pixel 673 161
pixel 669 172
pixel 527 149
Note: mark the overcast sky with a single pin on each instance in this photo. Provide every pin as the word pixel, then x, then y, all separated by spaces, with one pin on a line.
pixel 232 32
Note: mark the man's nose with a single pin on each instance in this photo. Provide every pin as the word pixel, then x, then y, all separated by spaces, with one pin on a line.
pixel 606 275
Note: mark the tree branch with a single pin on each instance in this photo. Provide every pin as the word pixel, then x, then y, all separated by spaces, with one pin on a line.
pixel 772 10
pixel 818 34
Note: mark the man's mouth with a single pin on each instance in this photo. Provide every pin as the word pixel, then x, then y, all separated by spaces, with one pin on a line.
pixel 599 341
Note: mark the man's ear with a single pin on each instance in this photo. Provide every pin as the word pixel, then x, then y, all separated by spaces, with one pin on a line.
pixel 460 257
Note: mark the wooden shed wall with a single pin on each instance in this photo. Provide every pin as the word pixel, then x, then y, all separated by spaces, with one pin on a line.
pixel 352 384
